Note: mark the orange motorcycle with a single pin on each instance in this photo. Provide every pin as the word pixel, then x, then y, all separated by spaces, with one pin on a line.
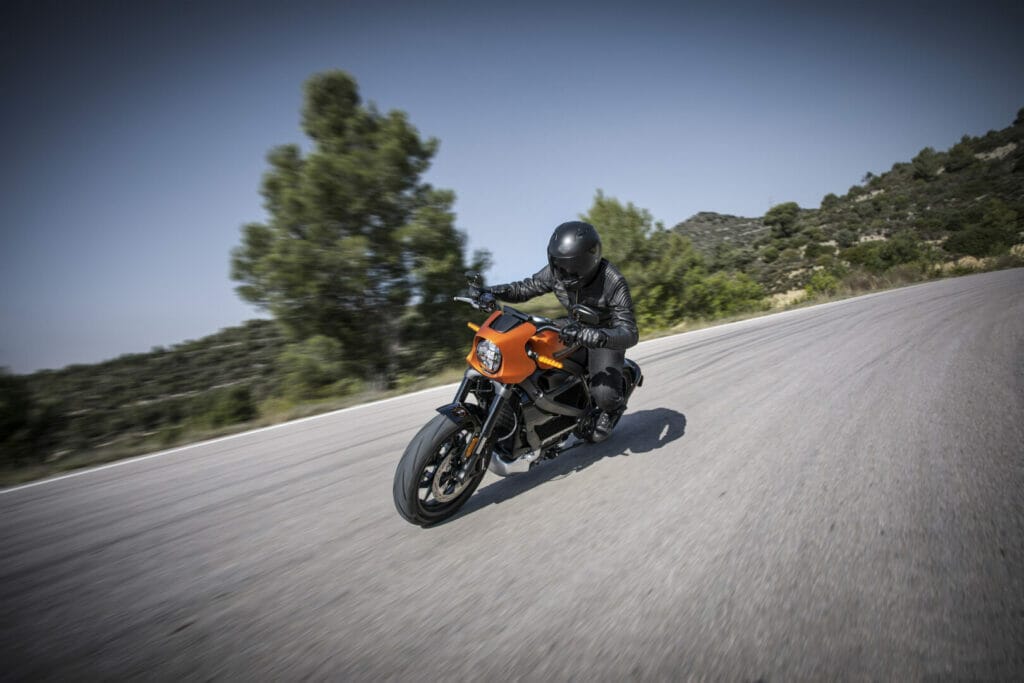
pixel 524 395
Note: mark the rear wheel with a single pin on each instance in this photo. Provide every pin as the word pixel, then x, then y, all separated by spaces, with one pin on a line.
pixel 426 490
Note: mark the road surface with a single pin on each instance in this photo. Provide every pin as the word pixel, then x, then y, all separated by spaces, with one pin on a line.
pixel 833 492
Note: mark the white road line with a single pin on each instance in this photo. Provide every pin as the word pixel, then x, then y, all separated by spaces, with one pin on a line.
pixel 140 458
pixel 178 449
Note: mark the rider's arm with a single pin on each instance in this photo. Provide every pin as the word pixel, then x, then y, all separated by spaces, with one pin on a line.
pixel 622 332
pixel 514 292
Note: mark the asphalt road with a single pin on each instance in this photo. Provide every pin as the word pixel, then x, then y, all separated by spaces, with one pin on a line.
pixel 835 492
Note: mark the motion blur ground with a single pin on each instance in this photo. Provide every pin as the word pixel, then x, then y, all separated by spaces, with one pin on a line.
pixel 832 492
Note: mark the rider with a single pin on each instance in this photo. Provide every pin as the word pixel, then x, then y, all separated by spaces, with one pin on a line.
pixel 577 274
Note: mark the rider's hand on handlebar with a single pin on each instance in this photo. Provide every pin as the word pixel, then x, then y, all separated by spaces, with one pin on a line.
pixel 482 298
pixel 591 337
pixel 487 301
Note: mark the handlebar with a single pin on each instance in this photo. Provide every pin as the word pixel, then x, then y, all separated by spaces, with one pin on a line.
pixel 542 323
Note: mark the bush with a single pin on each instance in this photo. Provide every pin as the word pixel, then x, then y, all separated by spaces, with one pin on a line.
pixel 309 366
pixel 864 254
pixel 926 164
pixel 994 235
pixel 232 405
pixel 721 294
pixel 814 250
pixel 846 238
pixel 903 274
pixel 782 218
pixel 822 282
pixel 902 248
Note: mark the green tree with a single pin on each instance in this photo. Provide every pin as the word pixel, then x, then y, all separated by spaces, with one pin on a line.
pixel 926 164
pixel 625 231
pixel 781 218
pixel 659 288
pixel 354 235
pixel 961 155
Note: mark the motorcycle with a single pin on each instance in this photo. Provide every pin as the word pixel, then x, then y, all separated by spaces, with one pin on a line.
pixel 524 395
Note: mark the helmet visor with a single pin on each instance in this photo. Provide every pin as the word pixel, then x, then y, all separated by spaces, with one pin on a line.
pixel 565 272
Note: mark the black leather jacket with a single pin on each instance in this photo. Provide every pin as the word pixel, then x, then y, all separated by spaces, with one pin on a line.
pixel 607 293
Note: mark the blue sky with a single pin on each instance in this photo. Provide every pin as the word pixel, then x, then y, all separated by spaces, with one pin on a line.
pixel 135 133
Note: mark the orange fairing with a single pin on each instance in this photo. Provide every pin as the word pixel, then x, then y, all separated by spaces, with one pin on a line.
pixel 516 364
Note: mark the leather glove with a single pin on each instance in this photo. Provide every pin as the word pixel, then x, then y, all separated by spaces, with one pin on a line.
pixel 567 335
pixel 487 301
pixel 500 291
pixel 484 297
pixel 591 337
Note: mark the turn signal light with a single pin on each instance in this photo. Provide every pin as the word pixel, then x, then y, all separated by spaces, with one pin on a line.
pixel 473 326
pixel 550 362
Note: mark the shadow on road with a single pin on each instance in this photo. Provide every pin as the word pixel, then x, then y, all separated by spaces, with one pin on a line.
pixel 642 432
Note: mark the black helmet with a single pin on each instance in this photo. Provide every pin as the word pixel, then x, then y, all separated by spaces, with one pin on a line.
pixel 574 253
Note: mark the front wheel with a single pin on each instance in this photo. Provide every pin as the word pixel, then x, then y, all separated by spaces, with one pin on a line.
pixel 426 490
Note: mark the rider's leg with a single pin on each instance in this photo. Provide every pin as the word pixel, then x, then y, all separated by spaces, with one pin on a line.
pixel 607 387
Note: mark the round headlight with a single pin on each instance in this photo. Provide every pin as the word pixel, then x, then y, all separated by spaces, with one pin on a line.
pixel 489 355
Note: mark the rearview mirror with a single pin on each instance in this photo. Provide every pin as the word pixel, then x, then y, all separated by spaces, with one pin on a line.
pixel 584 314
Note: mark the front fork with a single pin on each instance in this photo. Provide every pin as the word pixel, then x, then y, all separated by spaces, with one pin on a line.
pixel 459 411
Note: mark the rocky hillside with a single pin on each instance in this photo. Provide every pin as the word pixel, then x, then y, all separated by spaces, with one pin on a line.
pixel 941 206
pixel 707 230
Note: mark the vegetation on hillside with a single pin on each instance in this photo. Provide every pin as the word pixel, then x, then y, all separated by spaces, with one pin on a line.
pixel 940 207
pixel 669 279
pixel 144 397
pixel 359 258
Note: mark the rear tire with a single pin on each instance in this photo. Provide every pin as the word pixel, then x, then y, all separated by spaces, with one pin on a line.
pixel 424 490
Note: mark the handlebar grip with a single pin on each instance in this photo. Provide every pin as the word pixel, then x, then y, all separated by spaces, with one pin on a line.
pixel 567 351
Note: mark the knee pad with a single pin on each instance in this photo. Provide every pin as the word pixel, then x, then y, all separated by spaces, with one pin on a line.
pixel 606 394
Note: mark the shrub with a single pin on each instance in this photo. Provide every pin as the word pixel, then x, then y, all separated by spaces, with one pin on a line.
pixel 846 238
pixel 814 250
pixel 926 164
pixel 722 294
pixel 232 405
pixel 993 234
pixel 310 367
pixel 782 218
pixel 822 282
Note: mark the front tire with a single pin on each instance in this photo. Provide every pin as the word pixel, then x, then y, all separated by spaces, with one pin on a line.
pixel 425 489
